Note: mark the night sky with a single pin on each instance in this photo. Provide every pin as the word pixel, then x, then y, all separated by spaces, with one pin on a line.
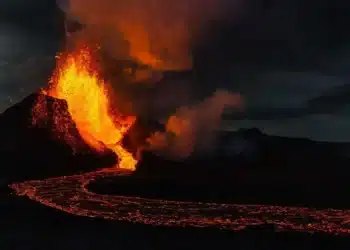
pixel 289 60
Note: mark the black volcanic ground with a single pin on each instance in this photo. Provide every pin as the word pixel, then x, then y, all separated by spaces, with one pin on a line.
pixel 57 230
pixel 269 170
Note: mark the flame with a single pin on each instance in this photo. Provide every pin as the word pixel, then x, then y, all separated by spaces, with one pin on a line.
pixel 76 80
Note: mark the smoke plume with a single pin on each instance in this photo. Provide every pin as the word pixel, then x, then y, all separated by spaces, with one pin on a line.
pixel 155 32
pixel 192 129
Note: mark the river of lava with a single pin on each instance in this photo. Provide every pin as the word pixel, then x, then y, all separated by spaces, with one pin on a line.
pixel 70 194
pixel 76 80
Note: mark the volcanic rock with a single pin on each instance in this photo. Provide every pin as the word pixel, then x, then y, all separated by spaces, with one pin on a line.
pixel 252 149
pixel 39 138
pixel 262 169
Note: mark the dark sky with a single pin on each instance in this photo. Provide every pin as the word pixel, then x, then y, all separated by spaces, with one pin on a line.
pixel 289 59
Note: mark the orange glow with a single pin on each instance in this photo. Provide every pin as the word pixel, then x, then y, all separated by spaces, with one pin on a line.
pixel 155 33
pixel 150 46
pixel 140 46
pixel 76 81
pixel 71 195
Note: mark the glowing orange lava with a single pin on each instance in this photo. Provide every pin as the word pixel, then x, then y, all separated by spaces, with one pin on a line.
pixel 76 80
pixel 70 194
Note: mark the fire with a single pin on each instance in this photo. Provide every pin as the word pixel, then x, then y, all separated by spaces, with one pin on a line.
pixel 76 80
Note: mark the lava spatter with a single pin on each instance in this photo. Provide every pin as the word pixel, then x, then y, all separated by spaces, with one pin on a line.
pixel 76 80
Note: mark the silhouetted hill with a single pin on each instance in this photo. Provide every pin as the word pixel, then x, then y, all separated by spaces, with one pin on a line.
pixel 248 166
pixel 253 151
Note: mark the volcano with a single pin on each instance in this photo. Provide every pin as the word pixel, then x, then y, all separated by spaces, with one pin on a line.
pixel 72 126
pixel 34 148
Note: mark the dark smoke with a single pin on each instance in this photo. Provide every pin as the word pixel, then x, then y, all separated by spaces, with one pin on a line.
pixel 160 33
pixel 192 129
pixel 155 32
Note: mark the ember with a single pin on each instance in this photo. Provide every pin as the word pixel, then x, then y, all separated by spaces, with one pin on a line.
pixel 76 81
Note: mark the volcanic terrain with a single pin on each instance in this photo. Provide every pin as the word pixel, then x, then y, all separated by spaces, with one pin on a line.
pixel 70 125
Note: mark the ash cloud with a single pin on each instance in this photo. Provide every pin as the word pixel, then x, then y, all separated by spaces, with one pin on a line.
pixel 192 129
pixel 155 32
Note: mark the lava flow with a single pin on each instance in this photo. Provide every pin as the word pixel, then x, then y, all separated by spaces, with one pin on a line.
pixel 70 194
pixel 76 80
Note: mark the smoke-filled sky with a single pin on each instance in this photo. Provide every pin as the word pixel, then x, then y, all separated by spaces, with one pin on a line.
pixel 156 32
pixel 288 59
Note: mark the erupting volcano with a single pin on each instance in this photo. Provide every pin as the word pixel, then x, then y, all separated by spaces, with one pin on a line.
pixel 77 81
pixel 81 93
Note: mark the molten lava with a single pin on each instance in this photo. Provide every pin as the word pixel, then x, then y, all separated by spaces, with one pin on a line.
pixel 70 194
pixel 76 80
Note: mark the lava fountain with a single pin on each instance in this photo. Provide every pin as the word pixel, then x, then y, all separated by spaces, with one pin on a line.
pixel 77 81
